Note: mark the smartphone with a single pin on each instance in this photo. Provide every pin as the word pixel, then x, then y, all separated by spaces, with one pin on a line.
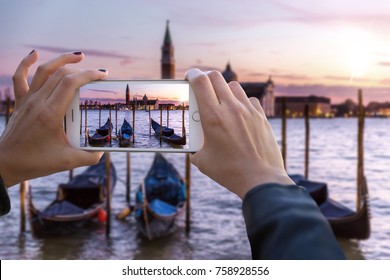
pixel 135 116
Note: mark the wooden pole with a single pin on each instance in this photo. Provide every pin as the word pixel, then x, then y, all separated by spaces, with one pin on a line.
pixel 109 106
pixel 284 128
pixel 100 115
pixel 160 125
pixel 22 195
pixel 128 178
pixel 8 110
pixel 116 118
pixel 307 140
pixel 360 155
pixel 108 186
pixel 188 191
pixel 86 124
pixel 81 119
pixel 182 121
pixel 167 116
pixel 150 123
pixel 133 121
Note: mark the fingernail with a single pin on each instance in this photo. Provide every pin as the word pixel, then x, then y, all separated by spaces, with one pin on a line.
pixel 77 53
pixel 102 70
pixel 31 52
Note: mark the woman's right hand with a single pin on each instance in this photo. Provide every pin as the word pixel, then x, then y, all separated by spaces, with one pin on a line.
pixel 240 150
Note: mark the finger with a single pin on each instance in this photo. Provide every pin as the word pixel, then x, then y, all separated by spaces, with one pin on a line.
pixel 203 90
pixel 238 92
pixel 46 69
pixel 221 88
pixel 21 74
pixel 83 158
pixel 64 92
pixel 256 103
pixel 48 88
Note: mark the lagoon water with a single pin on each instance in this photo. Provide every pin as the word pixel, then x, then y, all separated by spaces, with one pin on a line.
pixel 217 225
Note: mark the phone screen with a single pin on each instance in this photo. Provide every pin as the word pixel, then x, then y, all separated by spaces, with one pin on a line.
pixel 135 115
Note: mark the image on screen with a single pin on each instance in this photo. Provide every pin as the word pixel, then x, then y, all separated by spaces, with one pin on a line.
pixel 135 115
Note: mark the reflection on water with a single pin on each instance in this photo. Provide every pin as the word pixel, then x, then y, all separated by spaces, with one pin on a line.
pixel 217 226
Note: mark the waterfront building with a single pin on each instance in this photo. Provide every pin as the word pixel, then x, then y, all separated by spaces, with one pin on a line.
pixel 295 106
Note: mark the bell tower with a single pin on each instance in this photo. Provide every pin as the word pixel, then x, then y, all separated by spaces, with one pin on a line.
pixel 167 60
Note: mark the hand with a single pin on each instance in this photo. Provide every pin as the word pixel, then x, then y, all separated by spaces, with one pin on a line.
pixel 34 143
pixel 240 150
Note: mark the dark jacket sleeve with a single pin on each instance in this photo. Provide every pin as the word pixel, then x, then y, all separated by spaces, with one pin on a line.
pixel 283 222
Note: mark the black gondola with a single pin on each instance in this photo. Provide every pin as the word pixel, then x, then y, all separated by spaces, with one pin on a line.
pixel 77 202
pixel 102 134
pixel 172 138
pixel 160 199
pixel 345 223
pixel 124 134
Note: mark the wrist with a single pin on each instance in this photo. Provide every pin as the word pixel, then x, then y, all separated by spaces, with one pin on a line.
pixel 5 171
pixel 280 177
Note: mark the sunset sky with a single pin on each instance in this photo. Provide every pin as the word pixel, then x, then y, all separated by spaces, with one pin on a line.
pixel 115 92
pixel 327 48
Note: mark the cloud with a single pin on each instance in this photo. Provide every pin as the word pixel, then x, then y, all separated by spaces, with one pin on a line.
pixel 384 63
pixel 124 59
pixel 291 76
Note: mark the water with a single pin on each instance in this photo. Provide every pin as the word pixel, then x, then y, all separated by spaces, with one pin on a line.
pixel 217 225
pixel 142 130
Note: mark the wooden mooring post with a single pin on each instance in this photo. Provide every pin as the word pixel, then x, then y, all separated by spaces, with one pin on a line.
pixel 134 120
pixel 188 191
pixel 360 150
pixel 128 177
pixel 160 126
pixel 109 106
pixel 100 115
pixel 307 140
pixel 116 118
pixel 86 124
pixel 7 110
pixel 284 128
pixel 22 195
pixel 108 186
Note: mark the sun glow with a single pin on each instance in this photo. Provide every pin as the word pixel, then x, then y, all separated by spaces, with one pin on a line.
pixel 358 47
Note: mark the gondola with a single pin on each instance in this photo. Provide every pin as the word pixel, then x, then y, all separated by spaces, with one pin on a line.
pixel 166 131
pixel 124 134
pixel 172 138
pixel 345 223
pixel 102 134
pixel 159 199
pixel 77 203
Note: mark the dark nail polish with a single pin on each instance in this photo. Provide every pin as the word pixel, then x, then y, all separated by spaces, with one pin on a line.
pixel 77 53
pixel 102 70
pixel 31 52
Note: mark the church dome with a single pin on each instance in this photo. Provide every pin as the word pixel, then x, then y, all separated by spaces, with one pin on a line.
pixel 228 74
